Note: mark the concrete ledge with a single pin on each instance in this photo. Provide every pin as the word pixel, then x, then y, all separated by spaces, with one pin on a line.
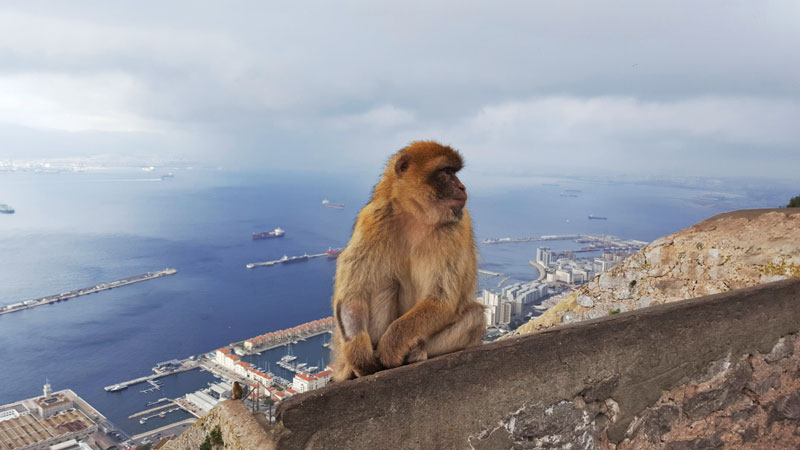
pixel 597 379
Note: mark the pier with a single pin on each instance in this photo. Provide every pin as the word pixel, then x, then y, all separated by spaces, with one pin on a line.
pixel 285 260
pixel 490 273
pixel 555 237
pixel 50 299
pixel 186 365
pixel 152 410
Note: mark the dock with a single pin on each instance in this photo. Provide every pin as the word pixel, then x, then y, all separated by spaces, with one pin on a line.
pixel 152 410
pixel 187 365
pixel 285 260
pixel 50 299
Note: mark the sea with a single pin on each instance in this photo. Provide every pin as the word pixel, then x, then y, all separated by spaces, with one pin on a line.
pixel 78 229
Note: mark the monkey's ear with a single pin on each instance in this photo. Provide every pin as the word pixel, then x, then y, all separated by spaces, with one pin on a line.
pixel 401 165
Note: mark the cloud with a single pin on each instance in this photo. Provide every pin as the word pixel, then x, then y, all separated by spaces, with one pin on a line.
pixel 101 102
pixel 521 86
pixel 565 120
pixel 377 119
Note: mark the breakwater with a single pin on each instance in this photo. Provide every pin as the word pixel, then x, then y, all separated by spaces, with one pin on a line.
pixel 50 299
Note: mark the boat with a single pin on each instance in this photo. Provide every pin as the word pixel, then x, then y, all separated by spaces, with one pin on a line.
pixel 277 232
pixel 167 176
pixel 591 217
pixel 288 357
pixel 5 209
pixel 328 204
pixel 333 252
pixel 115 388
pixel 286 259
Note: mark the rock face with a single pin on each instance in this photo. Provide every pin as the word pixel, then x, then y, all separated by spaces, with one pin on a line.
pixel 240 430
pixel 718 372
pixel 726 252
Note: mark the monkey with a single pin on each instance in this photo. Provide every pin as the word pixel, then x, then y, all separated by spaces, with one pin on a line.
pixel 237 392
pixel 405 284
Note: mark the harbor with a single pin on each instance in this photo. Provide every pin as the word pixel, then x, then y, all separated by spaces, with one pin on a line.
pixel 50 299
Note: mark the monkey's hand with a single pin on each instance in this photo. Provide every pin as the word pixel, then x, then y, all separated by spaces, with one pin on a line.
pixel 360 355
pixel 395 345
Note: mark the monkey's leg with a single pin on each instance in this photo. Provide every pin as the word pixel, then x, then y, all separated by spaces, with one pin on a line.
pixel 412 329
pixel 466 332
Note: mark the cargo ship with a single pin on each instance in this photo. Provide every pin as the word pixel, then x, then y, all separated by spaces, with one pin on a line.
pixel 5 209
pixel 333 252
pixel 277 232
pixel 328 204
pixel 591 217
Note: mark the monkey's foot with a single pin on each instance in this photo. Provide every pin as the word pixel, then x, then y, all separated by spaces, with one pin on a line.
pixel 416 354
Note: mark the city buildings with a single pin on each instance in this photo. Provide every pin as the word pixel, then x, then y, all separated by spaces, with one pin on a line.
pixel 45 422
pixel 502 306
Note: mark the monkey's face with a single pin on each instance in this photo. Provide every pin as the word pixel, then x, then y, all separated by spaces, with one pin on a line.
pixel 450 194
pixel 424 182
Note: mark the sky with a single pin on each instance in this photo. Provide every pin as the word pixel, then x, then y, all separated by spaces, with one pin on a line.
pixel 689 88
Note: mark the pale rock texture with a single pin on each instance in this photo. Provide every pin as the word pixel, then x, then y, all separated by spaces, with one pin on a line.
pixel 726 252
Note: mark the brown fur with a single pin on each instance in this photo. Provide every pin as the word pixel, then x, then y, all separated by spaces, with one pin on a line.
pixel 237 391
pixel 405 284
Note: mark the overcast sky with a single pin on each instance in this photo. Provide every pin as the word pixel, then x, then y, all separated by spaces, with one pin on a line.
pixel 671 87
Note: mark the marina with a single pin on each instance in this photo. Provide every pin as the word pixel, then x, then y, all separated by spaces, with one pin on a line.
pixel 279 338
pixel 85 291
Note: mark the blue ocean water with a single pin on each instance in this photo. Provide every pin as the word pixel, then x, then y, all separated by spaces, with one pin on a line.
pixel 73 230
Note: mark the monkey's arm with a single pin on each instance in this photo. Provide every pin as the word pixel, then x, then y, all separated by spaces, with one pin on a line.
pixel 353 319
pixel 411 330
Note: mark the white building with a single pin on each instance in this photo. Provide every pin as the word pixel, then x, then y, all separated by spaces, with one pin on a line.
pixel 304 383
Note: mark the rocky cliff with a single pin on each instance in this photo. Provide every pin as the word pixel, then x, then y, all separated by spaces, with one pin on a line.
pixel 728 251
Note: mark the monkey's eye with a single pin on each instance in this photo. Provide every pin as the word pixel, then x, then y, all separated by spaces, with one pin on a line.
pixel 449 171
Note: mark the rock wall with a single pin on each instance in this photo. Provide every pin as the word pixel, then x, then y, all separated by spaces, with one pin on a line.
pixel 720 371
pixel 726 252
pixel 240 430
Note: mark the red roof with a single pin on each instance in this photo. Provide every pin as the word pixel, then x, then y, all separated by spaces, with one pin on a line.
pixel 224 350
pixel 243 364
pixel 233 357
pixel 324 373
pixel 306 377
pixel 291 391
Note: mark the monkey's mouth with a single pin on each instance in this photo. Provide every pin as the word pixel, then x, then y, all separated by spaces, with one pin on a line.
pixel 456 203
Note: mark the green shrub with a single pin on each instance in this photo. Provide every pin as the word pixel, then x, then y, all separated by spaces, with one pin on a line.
pixel 794 202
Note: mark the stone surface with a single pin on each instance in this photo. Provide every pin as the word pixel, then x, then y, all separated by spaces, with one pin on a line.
pixel 728 251
pixel 240 430
pixel 680 376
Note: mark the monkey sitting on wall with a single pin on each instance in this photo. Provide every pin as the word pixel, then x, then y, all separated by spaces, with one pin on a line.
pixel 405 284
pixel 237 392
